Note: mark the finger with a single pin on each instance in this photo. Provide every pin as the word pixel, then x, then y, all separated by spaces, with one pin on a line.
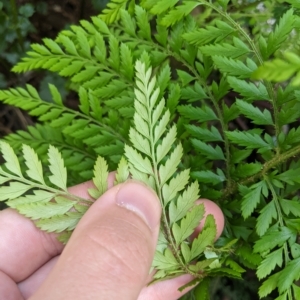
pixel 111 250
pixel 23 244
pixel 166 289
pixel 211 208
pixel 30 285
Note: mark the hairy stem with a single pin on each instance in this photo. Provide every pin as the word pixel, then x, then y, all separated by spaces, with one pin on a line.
pixel 277 160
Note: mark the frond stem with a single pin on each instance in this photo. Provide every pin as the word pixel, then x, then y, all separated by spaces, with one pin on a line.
pixel 281 223
pixel 220 115
pixel 159 186
pixel 260 61
pixel 56 192
pixel 274 162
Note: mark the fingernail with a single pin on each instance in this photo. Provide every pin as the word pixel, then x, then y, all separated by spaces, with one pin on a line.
pixel 141 200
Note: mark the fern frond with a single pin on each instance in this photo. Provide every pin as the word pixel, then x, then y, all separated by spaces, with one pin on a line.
pixel 48 205
pixel 152 139
pixel 112 12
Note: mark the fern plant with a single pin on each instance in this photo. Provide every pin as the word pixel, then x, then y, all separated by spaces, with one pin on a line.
pixel 168 91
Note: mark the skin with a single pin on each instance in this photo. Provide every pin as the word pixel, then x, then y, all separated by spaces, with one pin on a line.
pixel 107 257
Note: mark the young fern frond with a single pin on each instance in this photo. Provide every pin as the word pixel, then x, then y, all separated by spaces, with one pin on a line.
pixel 153 138
pixel 49 204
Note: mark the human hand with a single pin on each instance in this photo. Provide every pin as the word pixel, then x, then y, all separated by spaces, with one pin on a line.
pixel 107 257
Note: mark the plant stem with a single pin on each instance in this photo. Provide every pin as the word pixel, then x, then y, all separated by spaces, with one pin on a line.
pixel 44 187
pixel 260 61
pixel 274 162
pixel 219 112
pixel 281 223
pixel 158 184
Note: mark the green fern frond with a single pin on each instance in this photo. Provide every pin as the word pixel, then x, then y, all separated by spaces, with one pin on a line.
pixel 152 139
pixel 112 12
pixel 48 205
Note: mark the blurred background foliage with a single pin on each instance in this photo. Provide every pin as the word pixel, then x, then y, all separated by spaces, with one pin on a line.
pixel 29 21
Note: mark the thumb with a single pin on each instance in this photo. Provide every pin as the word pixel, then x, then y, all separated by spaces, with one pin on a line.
pixel 111 250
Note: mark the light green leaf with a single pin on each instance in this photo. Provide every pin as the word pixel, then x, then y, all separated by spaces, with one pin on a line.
pixel 170 167
pixel 165 261
pixel 122 171
pixel 35 170
pixel 100 178
pixel 3 179
pixel 57 168
pixel 13 190
pixel 56 96
pixel 141 164
pixel 37 196
pixel 12 163
pixel 60 223
pixel 205 238
pixel 139 142
pixel 166 144
pixel 176 185
pixel 39 210
pixel 184 203
pixel 143 177
pixel 188 224
pixel 141 126
pixel 160 128
pixel 158 111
